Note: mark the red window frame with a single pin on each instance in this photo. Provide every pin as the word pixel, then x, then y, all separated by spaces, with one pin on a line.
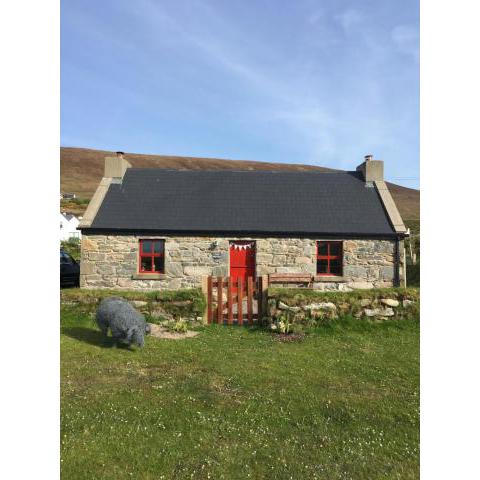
pixel 151 255
pixel 330 257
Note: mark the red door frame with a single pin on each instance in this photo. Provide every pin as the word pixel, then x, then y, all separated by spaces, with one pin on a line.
pixel 242 261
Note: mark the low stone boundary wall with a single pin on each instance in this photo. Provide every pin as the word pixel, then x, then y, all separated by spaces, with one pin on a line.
pixel 308 307
pixel 189 304
pixel 315 307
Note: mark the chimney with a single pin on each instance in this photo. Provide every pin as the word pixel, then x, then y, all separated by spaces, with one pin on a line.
pixel 115 167
pixel 372 170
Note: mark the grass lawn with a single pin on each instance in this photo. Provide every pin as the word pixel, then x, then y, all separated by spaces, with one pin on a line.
pixel 235 403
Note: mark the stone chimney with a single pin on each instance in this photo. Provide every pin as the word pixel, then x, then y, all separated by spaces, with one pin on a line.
pixel 115 167
pixel 372 170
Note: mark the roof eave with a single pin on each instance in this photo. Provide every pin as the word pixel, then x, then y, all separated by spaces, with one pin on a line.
pixel 237 233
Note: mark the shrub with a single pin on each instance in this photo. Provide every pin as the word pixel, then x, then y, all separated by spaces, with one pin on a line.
pixel 297 329
pixel 413 274
pixel 72 246
pixel 180 326
pixel 284 323
pixel 74 201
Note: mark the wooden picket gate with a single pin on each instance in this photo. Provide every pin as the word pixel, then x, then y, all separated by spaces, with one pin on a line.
pixel 230 302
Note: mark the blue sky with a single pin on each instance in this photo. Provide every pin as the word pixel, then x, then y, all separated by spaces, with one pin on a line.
pixel 317 82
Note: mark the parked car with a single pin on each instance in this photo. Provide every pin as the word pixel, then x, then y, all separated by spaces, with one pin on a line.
pixel 69 270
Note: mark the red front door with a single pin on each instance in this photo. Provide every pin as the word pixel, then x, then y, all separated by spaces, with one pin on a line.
pixel 242 260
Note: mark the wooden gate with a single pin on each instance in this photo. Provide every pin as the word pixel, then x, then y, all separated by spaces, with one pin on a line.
pixel 228 301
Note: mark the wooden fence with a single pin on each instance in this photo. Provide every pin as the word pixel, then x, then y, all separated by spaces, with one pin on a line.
pixel 231 302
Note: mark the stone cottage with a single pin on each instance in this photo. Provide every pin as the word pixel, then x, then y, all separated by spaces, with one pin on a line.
pixel 151 228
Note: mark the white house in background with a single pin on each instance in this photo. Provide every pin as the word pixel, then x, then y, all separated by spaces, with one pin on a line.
pixel 68 226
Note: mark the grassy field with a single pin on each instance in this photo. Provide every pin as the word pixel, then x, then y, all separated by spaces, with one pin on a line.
pixel 235 403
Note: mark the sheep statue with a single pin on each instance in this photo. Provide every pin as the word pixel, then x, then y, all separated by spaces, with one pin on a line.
pixel 125 323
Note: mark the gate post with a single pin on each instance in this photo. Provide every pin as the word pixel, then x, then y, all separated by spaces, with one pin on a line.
pixel 220 300
pixel 207 300
pixel 264 296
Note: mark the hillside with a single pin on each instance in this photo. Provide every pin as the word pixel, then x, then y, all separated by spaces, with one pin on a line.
pixel 81 169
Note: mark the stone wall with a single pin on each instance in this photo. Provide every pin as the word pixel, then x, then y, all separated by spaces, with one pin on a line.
pixel 312 308
pixel 111 261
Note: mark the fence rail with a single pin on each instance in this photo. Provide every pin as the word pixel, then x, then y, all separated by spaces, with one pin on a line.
pixel 231 302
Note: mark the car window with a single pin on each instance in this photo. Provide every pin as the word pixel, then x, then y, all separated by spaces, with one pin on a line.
pixel 65 259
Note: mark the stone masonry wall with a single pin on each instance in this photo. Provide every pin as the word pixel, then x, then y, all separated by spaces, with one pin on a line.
pixel 111 261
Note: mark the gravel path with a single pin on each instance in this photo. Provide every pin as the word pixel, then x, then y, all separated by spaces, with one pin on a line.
pixel 161 332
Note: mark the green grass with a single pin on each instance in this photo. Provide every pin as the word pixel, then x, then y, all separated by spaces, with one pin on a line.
pixel 290 295
pixel 234 403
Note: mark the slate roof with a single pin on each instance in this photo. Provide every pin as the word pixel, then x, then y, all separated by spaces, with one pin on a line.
pixel 68 216
pixel 243 202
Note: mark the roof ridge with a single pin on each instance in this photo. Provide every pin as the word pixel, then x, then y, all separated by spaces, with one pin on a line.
pixel 220 170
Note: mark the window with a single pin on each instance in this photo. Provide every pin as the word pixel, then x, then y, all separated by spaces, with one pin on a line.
pixel 329 258
pixel 66 259
pixel 152 256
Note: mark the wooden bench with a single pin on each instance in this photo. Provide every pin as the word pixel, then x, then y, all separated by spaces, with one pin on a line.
pixel 290 278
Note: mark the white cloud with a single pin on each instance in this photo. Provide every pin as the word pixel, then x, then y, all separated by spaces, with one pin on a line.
pixel 405 38
pixel 284 97
pixel 349 20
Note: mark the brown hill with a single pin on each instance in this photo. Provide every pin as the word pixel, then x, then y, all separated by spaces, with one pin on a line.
pixel 81 169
